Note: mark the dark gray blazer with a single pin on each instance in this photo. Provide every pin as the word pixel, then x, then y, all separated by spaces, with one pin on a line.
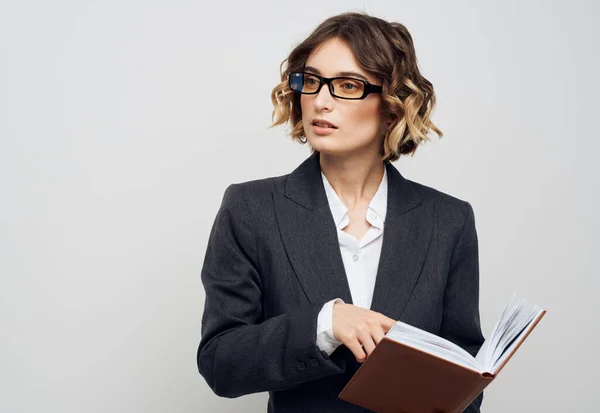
pixel 273 260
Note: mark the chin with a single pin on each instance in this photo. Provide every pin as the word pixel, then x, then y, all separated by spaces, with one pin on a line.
pixel 324 144
pixel 328 146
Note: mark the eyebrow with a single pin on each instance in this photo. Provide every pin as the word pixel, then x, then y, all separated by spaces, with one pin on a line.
pixel 351 74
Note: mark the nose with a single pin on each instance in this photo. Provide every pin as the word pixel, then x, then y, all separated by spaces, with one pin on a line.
pixel 323 99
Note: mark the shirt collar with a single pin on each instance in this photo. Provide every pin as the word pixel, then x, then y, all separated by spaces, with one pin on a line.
pixel 378 203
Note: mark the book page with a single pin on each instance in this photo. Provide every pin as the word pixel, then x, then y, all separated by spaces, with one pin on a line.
pixel 510 346
pixel 430 343
pixel 514 322
pixel 516 317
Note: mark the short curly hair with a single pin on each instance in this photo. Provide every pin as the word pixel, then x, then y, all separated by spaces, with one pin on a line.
pixel 384 50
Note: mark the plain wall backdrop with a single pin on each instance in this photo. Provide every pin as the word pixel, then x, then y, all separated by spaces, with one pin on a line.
pixel 122 123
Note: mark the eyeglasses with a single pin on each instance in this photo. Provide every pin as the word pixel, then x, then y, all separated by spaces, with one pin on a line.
pixel 340 87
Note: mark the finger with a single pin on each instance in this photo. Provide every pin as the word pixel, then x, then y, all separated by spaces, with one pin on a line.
pixel 386 322
pixel 377 335
pixel 356 349
pixel 367 342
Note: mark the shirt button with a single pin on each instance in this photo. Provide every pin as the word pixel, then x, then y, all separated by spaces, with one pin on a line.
pixel 374 216
pixel 354 257
pixel 301 366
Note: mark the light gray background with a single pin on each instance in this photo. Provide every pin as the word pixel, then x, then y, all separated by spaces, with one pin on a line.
pixel 122 123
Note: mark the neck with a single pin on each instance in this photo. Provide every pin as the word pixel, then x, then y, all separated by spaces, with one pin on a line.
pixel 354 179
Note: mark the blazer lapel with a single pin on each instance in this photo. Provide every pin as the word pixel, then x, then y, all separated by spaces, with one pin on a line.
pixel 407 234
pixel 310 239
pixel 309 234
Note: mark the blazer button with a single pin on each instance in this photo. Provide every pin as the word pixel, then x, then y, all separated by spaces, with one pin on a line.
pixel 324 354
pixel 314 362
pixel 301 366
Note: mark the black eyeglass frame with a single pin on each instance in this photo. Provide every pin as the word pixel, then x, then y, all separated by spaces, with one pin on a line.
pixel 369 88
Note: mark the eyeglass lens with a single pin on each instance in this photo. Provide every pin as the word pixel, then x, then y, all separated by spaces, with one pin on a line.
pixel 342 87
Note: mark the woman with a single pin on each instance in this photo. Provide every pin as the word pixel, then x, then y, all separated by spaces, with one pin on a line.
pixel 305 273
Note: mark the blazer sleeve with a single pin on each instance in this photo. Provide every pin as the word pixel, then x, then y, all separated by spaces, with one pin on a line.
pixel 460 321
pixel 240 352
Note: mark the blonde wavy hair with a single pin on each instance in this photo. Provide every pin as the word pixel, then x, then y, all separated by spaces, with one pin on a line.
pixel 386 51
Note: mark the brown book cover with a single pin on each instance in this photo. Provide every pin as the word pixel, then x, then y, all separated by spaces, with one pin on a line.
pixel 398 378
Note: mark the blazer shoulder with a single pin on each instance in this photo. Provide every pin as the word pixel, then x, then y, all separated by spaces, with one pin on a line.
pixel 254 193
pixel 449 206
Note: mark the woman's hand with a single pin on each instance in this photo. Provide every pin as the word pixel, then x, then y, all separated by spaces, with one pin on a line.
pixel 359 329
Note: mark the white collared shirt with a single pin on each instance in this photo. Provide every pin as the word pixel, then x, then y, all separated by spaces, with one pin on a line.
pixel 361 258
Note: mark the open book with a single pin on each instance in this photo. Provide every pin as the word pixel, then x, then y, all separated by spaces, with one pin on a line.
pixel 415 371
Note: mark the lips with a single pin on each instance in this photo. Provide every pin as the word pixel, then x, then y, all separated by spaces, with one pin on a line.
pixel 323 123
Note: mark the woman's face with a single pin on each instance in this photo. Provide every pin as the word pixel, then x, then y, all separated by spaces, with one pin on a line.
pixel 358 122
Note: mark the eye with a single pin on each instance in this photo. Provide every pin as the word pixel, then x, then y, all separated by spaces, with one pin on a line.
pixel 348 86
